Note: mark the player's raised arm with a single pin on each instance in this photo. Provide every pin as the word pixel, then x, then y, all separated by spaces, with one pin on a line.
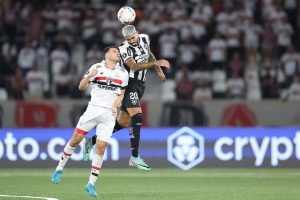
pixel 86 80
pixel 130 62
pixel 158 69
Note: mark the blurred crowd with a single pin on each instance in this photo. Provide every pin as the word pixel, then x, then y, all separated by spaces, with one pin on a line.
pixel 218 49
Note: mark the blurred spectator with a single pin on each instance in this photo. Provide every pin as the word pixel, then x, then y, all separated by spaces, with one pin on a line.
pixel 202 79
pixel 62 83
pixel 252 33
pixel 236 66
pixel 184 70
pixel 93 55
pixel 109 28
pixel 188 53
pixel 222 20
pixel 26 58
pixel 59 58
pixel 290 62
pixel 293 93
pixel 65 16
pixel 269 85
pixel 268 42
pixel 284 32
pixel 185 87
pixel 202 76
pixel 219 85
pixel 202 93
pixel 35 28
pixel 252 85
pixel 89 29
pixel 9 48
pixel 168 42
pixel 49 17
pixel 7 66
pixel 232 35
pixel 37 83
pixel 235 87
pixel 42 54
pixel 9 18
pixel 217 50
pixel 18 84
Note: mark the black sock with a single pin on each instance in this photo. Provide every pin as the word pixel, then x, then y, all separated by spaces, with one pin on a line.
pixel 94 138
pixel 117 127
pixel 135 128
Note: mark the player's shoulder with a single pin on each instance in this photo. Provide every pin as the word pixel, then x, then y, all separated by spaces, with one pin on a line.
pixel 141 35
pixel 124 45
pixel 144 38
pixel 97 65
pixel 122 70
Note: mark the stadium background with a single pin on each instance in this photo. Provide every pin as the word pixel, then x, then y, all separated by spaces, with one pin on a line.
pixel 231 99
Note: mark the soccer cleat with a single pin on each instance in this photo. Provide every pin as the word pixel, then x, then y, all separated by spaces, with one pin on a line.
pixel 88 146
pixel 56 176
pixel 139 163
pixel 91 190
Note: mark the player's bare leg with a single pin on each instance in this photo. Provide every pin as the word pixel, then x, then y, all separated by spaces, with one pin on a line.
pixel 96 167
pixel 67 152
pixel 135 129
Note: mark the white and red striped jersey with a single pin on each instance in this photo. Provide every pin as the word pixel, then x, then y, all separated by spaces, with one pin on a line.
pixel 107 84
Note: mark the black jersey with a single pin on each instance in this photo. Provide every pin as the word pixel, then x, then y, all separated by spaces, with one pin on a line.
pixel 140 53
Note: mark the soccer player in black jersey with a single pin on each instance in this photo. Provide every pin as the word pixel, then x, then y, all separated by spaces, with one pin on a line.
pixel 136 59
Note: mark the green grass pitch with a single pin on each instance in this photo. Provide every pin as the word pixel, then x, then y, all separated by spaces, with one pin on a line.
pixel 158 184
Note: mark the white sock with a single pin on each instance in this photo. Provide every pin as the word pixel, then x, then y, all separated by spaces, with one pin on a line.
pixel 68 151
pixel 95 168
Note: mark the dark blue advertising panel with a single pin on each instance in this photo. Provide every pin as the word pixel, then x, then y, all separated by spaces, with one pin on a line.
pixel 182 147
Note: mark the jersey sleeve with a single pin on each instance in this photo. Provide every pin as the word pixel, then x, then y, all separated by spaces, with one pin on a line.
pixel 125 52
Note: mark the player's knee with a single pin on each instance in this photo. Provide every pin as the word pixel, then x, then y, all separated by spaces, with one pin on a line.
pixel 137 119
pixel 124 122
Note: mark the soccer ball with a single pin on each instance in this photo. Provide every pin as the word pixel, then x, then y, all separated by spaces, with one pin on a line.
pixel 126 15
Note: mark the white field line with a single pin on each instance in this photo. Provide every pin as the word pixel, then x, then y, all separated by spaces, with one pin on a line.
pixel 27 197
pixel 164 175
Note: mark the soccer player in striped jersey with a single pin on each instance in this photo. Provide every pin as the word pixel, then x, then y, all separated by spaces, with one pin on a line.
pixel 136 58
pixel 108 81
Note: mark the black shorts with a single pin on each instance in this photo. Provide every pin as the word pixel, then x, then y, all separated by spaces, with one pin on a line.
pixel 133 94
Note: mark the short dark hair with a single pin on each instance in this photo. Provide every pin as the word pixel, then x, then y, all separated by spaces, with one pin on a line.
pixel 107 50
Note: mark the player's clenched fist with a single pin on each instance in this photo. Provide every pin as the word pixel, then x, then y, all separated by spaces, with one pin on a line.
pixel 162 63
pixel 93 73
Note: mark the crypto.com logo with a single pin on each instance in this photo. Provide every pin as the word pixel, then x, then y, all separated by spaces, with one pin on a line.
pixel 185 148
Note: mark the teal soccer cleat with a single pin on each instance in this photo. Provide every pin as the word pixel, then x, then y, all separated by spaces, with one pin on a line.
pixel 88 146
pixel 91 190
pixel 139 163
pixel 56 176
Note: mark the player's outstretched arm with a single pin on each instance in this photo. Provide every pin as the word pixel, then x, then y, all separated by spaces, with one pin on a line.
pixel 86 80
pixel 158 69
pixel 130 62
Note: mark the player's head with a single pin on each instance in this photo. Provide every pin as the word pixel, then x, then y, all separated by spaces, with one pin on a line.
pixel 130 34
pixel 111 53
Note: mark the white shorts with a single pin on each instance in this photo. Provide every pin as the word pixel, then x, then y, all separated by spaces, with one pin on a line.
pixel 99 117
